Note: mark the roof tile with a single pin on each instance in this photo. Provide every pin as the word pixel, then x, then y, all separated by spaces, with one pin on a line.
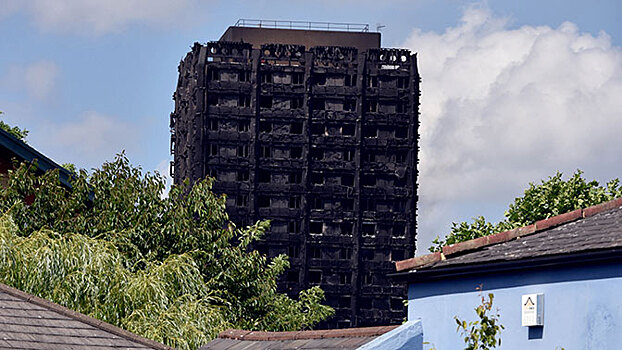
pixel 593 228
pixel 27 321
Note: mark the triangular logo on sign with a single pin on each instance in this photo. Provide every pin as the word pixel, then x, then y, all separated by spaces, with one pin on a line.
pixel 529 302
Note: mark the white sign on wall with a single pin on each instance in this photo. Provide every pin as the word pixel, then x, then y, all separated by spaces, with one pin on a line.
pixel 532 307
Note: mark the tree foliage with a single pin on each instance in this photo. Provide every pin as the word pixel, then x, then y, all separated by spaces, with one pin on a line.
pixel 550 197
pixel 172 269
pixel 20 134
pixel 482 334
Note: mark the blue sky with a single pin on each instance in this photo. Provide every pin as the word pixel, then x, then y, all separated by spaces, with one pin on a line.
pixel 512 90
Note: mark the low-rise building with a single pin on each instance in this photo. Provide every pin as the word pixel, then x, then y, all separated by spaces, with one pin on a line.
pixel 556 283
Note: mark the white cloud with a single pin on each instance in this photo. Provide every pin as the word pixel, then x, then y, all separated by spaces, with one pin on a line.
pixel 100 17
pixel 501 107
pixel 86 141
pixel 38 79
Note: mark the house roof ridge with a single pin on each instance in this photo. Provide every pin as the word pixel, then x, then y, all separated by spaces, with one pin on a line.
pixel 239 334
pixel 107 327
pixel 505 236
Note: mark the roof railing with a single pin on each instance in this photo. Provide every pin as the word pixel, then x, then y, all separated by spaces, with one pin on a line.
pixel 284 24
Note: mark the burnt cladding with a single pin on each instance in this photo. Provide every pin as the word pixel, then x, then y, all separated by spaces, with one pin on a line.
pixel 322 141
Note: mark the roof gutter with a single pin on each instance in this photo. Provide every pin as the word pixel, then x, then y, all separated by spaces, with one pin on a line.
pixel 486 268
pixel 29 154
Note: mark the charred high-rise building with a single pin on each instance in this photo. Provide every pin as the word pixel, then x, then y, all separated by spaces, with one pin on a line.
pixel 315 130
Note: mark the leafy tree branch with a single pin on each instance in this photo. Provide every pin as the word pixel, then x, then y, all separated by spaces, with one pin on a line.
pixel 550 197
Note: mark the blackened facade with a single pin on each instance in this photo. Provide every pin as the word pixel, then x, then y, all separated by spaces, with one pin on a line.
pixel 323 142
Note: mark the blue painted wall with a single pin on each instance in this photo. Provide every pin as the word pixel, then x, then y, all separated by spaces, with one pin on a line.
pixel 582 308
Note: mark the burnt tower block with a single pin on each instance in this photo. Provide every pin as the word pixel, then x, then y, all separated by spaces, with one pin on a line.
pixel 322 141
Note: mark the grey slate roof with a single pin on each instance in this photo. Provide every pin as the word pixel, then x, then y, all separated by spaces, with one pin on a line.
pixel 599 232
pixel 29 322
pixel 335 339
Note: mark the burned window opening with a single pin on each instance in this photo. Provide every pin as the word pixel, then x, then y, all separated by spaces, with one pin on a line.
pixel 244 126
pixel 293 276
pixel 295 202
pixel 212 99
pixel 266 77
pixel 293 251
pixel 399 230
pixel 295 128
pixel 402 82
pixel 295 152
pixel 297 103
pixel 401 107
pixel 318 104
pixel 265 126
pixel 368 279
pixel 368 180
pixel 242 175
pixel 350 80
pixel 401 133
pixel 244 101
pixel 396 304
pixel 212 124
pixel 298 78
pixel 372 81
pixel 265 102
pixel 242 151
pixel 315 276
pixel 319 79
pixel 318 129
pixel 316 227
pixel 348 155
pixel 317 178
pixel 241 200
pixel 316 253
pixel 345 228
pixel 347 204
pixel 369 157
pixel 345 278
pixel 264 176
pixel 294 177
pixel 263 201
pixel 397 255
pixel 400 157
pixel 212 149
pixel 293 227
pixel 317 203
pixel 370 131
pixel 345 253
pixel 349 105
pixel 317 154
pixel 265 152
pixel 372 106
pixel 212 75
pixel 369 228
pixel 347 180
pixel 348 129
pixel 244 76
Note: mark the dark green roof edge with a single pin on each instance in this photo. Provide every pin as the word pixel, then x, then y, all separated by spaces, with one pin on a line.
pixel 24 152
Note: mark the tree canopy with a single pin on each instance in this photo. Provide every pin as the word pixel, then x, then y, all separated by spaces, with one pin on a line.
pixel 20 134
pixel 543 200
pixel 172 269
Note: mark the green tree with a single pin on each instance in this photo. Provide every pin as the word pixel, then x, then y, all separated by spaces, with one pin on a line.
pixel 173 269
pixel 20 134
pixel 482 334
pixel 550 197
